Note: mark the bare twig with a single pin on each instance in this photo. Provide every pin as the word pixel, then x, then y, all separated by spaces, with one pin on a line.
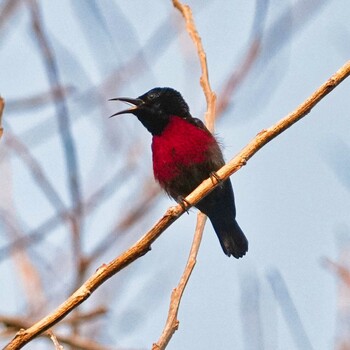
pixel 56 343
pixel 172 322
pixel 63 121
pixel 142 246
pixel 204 79
pixel 37 101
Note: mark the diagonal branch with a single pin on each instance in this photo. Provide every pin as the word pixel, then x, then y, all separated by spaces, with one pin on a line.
pixel 143 245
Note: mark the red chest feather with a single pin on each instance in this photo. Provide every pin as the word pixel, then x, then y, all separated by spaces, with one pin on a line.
pixel 181 144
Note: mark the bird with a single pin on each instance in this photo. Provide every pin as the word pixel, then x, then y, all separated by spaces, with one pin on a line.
pixel 184 154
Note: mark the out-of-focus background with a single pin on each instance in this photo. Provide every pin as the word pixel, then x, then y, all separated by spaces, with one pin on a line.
pixel 76 188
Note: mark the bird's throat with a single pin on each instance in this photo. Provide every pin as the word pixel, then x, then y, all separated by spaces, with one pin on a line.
pixel 179 146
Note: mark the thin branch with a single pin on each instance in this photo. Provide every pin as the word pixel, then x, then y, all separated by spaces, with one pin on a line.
pixel 64 126
pixel 37 101
pixel 204 79
pixel 56 343
pixel 172 322
pixel 142 246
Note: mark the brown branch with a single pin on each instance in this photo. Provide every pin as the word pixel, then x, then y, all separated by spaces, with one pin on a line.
pixel 142 246
pixel 172 322
pixel 55 341
pixel 204 79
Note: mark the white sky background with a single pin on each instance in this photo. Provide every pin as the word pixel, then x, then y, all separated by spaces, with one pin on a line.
pixel 292 198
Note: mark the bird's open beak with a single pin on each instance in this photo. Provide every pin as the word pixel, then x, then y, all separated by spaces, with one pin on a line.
pixel 135 102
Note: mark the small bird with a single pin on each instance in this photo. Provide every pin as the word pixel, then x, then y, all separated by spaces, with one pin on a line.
pixel 184 154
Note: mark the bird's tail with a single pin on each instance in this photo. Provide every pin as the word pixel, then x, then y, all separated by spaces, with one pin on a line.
pixel 231 237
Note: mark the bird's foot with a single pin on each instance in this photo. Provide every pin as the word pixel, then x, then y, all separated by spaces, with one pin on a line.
pixel 185 205
pixel 215 178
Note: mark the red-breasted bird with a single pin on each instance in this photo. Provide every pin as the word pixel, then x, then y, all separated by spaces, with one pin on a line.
pixel 185 153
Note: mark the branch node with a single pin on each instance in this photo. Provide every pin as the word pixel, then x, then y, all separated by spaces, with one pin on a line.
pixel 243 162
pixel 262 132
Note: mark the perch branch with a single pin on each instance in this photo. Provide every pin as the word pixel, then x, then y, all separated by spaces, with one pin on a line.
pixel 143 245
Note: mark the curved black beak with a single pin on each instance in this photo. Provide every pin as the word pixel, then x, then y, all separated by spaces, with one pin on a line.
pixel 135 102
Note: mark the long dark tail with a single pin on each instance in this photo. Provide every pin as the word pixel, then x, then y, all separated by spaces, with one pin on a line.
pixel 231 237
pixel 219 205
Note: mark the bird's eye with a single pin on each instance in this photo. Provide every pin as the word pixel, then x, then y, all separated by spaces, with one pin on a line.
pixel 152 96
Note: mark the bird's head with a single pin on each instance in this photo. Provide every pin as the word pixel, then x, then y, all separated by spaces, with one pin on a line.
pixel 155 107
